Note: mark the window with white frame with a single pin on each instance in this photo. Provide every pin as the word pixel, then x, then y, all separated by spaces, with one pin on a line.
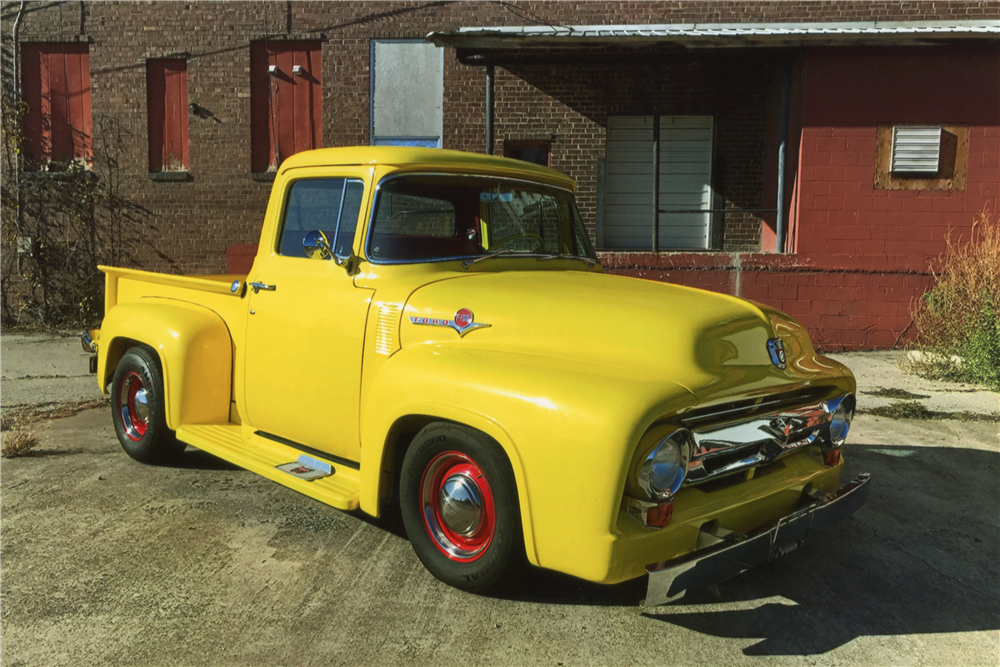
pixel 407 89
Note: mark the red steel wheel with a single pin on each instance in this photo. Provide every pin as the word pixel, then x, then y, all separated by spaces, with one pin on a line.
pixel 133 406
pixel 138 408
pixel 457 505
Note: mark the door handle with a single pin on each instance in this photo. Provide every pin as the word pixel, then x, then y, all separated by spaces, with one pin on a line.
pixel 256 287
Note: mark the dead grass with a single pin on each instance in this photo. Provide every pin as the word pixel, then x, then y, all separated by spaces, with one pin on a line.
pixel 915 410
pixel 17 443
pixel 18 436
pixel 958 320
pixel 893 392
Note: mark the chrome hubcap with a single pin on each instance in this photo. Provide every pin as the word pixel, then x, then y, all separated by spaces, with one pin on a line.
pixel 133 406
pixel 461 504
pixel 458 506
pixel 141 406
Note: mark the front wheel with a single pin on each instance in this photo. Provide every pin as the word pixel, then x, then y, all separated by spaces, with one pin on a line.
pixel 459 505
pixel 139 409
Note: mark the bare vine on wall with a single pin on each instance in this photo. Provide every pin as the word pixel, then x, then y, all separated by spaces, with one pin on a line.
pixel 60 223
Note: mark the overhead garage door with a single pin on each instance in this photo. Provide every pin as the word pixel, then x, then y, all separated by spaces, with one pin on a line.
pixel 685 182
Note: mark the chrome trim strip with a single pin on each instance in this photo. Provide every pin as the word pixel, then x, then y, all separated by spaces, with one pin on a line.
pixel 435 322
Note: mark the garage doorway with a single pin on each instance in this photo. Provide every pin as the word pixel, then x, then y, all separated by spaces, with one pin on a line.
pixel 685 182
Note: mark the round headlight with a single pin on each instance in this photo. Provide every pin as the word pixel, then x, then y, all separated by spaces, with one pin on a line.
pixel 663 471
pixel 840 421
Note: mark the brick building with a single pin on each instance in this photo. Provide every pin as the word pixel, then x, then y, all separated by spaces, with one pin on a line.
pixel 884 115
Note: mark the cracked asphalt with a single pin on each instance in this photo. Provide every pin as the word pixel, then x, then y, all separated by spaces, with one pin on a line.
pixel 104 561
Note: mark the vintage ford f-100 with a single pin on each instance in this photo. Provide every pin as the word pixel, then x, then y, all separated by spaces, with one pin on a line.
pixel 433 326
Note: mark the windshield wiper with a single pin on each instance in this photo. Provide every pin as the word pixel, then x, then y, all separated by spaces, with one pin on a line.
pixel 588 260
pixel 499 253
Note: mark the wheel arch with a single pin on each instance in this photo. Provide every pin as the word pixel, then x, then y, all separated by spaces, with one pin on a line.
pixel 193 347
pixel 380 470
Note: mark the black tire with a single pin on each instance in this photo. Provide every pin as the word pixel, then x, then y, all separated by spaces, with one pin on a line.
pixel 145 438
pixel 482 566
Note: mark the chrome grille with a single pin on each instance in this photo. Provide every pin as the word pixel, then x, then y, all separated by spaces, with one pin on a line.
pixel 736 436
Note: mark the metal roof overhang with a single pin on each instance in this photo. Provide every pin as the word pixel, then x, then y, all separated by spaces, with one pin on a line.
pixel 717 35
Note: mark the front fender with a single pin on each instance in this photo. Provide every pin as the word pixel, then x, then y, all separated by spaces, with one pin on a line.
pixel 195 351
pixel 568 428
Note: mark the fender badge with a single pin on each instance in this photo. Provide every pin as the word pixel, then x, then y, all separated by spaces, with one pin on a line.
pixel 463 323
pixel 776 348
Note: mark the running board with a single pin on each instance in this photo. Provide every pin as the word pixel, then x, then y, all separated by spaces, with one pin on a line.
pixel 260 455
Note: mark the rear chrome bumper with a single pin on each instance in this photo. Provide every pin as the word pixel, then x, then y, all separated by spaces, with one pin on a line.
pixel 731 555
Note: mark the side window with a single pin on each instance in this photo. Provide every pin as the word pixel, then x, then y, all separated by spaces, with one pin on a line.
pixel 320 204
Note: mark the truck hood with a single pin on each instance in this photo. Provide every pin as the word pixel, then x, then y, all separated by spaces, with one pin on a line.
pixel 707 342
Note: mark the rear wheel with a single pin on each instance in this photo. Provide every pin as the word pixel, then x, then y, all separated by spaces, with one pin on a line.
pixel 459 505
pixel 139 409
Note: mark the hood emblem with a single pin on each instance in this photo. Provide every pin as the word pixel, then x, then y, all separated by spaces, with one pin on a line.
pixel 776 348
pixel 463 322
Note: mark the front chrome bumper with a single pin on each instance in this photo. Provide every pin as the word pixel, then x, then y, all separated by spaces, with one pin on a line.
pixel 731 555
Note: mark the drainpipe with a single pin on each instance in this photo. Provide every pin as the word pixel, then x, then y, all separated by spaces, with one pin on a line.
pixel 779 245
pixel 656 158
pixel 489 109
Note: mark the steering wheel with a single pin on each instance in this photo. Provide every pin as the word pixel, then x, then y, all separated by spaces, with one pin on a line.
pixel 539 241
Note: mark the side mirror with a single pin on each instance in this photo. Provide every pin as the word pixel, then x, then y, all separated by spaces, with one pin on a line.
pixel 316 245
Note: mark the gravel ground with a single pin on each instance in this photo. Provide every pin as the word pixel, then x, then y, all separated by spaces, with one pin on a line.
pixel 109 562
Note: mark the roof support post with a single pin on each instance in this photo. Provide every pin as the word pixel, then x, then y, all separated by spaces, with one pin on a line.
pixel 779 231
pixel 489 108
pixel 656 157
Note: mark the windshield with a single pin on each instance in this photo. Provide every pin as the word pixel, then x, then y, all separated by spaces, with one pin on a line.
pixel 432 218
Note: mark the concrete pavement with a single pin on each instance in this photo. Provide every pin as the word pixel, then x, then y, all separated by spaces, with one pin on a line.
pixel 109 562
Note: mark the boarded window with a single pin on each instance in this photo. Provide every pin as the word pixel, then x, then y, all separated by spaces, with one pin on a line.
pixel 55 80
pixel 924 158
pixel 407 93
pixel 167 112
pixel 286 101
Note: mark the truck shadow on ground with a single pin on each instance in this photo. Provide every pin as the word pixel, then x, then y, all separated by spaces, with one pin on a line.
pixel 920 557
pixel 196 459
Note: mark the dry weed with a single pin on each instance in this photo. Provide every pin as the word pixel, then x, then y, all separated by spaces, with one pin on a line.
pixel 958 319
pixel 17 443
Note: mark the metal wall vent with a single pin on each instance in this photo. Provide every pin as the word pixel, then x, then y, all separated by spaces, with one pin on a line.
pixel 916 149
pixel 385 331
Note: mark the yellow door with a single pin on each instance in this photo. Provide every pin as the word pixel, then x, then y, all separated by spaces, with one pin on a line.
pixel 305 326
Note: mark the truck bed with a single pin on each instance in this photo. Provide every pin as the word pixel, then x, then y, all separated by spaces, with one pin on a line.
pixel 212 291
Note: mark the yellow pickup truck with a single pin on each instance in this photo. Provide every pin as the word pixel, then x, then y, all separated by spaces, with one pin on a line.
pixel 434 327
